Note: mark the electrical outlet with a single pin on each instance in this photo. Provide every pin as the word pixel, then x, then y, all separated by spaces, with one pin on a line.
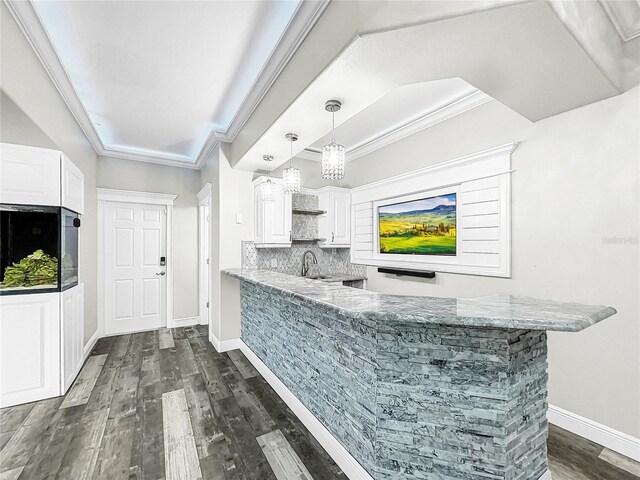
pixel 274 263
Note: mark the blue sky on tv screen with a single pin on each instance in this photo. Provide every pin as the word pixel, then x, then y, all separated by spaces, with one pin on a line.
pixel 423 204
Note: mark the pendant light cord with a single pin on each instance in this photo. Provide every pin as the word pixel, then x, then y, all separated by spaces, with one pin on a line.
pixel 333 127
pixel 291 153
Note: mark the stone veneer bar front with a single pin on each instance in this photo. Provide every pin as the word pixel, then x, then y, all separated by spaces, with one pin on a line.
pixel 414 387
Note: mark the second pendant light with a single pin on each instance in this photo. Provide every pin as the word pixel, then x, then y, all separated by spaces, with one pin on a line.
pixel 333 155
pixel 291 175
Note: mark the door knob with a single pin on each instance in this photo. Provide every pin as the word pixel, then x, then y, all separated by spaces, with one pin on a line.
pixel 161 273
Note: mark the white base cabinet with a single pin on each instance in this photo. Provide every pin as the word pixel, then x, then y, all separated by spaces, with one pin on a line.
pixel 41 344
pixel 30 348
pixel 72 334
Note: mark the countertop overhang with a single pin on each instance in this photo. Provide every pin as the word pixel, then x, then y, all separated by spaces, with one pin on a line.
pixel 490 311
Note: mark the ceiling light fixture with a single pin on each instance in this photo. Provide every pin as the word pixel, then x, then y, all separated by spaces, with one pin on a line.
pixel 269 187
pixel 333 155
pixel 291 175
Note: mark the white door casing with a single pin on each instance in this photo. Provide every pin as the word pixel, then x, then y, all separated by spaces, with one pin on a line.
pixel 204 254
pixel 135 290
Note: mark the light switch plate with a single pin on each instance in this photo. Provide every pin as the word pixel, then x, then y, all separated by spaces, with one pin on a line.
pixel 238 218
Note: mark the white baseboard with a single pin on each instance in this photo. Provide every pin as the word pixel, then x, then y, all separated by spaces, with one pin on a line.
pixel 602 435
pixel 90 344
pixel 224 345
pixel 349 465
pixel 183 322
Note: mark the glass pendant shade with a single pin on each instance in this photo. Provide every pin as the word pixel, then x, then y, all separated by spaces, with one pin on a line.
pixel 291 178
pixel 268 191
pixel 333 155
pixel 333 159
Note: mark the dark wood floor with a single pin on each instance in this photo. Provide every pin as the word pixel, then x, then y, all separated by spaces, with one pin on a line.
pixel 166 405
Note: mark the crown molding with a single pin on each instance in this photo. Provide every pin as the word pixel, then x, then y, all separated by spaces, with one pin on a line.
pixel 506 149
pixel 616 12
pixel 303 20
pixel 29 22
pixel 461 105
pixel 147 159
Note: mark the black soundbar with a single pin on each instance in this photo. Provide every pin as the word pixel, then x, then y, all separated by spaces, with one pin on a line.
pixel 408 273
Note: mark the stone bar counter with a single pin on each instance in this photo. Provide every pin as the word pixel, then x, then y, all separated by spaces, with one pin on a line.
pixel 414 387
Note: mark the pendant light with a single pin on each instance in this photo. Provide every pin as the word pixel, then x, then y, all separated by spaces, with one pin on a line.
pixel 268 191
pixel 333 155
pixel 291 175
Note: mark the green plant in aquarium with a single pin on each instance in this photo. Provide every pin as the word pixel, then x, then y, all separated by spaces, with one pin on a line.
pixel 35 269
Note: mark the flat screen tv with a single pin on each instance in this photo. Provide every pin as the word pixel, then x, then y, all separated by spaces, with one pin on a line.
pixel 426 226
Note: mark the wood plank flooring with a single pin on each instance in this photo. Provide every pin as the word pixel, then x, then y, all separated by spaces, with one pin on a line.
pixel 165 405
pixel 161 405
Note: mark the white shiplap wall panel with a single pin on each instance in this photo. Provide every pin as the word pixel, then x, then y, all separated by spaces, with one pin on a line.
pixel 482 183
pixel 487 233
pixel 362 234
pixel 482 208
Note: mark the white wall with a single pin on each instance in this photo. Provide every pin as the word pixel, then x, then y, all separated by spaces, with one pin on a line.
pixel 38 116
pixel 575 214
pixel 185 183
pixel 232 195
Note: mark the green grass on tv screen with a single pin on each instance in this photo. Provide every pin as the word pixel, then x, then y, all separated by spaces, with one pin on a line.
pixel 421 227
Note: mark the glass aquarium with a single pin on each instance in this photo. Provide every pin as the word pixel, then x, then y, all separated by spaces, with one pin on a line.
pixel 38 249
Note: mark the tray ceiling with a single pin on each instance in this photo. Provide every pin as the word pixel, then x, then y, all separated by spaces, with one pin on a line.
pixel 158 81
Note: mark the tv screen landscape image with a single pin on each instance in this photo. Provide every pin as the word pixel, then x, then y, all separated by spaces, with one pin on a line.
pixel 419 227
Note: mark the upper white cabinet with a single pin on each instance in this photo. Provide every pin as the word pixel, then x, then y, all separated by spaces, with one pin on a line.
pixel 29 175
pixel 72 185
pixel 335 225
pixel 272 217
pixel 39 176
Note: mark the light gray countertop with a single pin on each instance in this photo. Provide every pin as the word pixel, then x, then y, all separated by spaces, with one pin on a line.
pixel 492 311
pixel 336 277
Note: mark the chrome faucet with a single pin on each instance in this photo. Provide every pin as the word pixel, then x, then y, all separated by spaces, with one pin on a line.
pixel 305 263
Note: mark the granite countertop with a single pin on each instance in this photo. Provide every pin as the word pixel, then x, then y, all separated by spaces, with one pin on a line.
pixel 336 277
pixel 492 311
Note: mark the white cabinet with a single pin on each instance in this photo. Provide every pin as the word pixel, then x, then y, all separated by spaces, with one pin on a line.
pixel 272 218
pixel 39 176
pixel 29 348
pixel 72 185
pixel 29 175
pixel 72 337
pixel 335 225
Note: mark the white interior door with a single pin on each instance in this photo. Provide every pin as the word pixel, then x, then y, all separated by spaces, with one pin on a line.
pixel 135 239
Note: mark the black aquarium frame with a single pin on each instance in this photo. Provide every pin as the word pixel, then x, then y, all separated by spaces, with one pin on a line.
pixel 58 212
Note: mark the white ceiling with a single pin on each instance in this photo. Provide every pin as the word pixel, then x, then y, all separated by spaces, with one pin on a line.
pixel 404 108
pixel 165 81
pixel 522 55
pixel 153 79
